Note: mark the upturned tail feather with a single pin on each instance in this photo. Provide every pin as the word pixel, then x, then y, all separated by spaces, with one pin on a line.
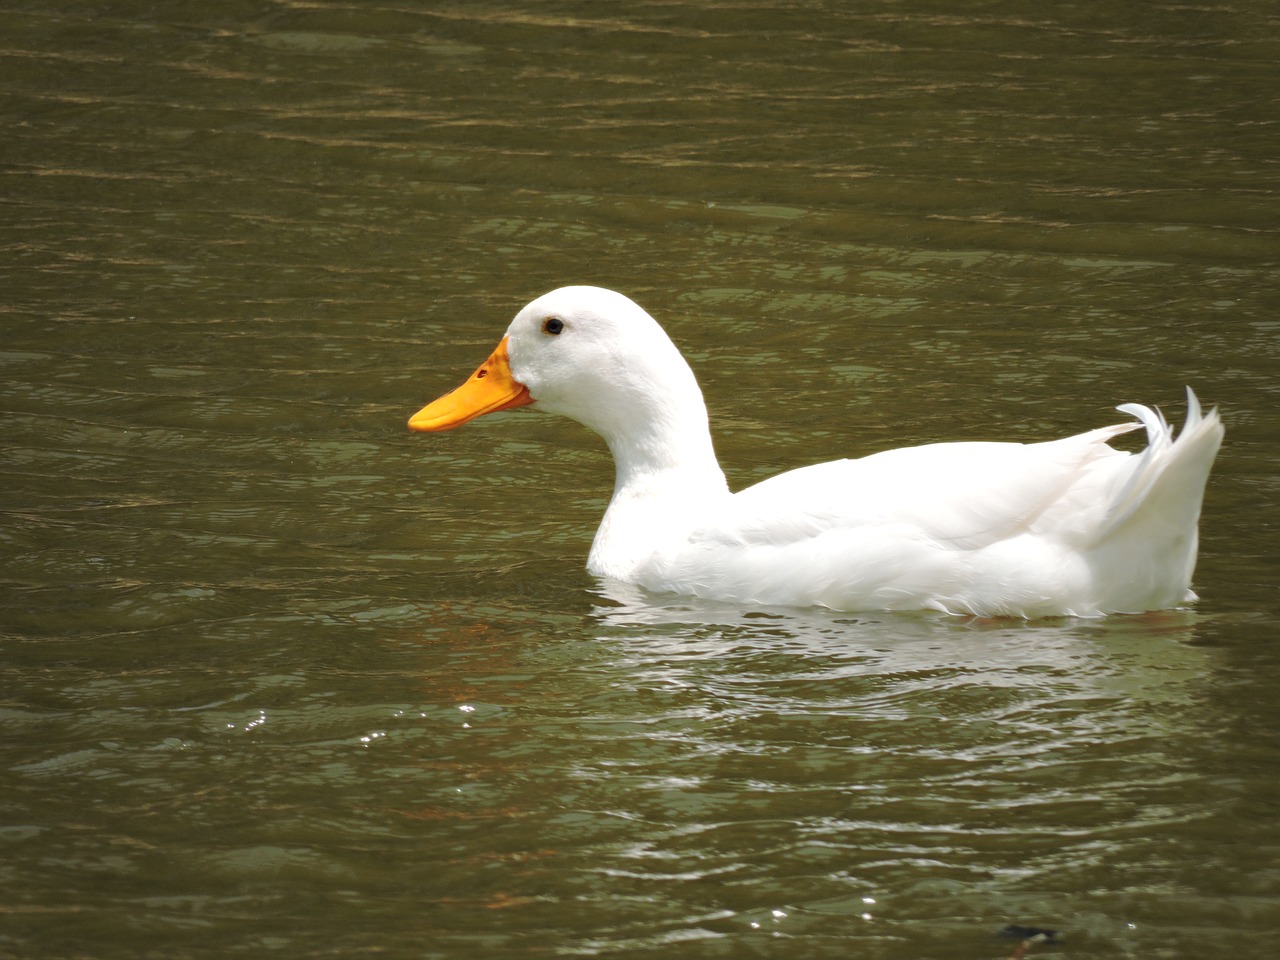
pixel 1181 465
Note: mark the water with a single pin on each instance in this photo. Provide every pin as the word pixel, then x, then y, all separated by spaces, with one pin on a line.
pixel 281 679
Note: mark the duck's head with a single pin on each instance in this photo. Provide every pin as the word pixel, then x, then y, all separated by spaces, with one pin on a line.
pixel 584 352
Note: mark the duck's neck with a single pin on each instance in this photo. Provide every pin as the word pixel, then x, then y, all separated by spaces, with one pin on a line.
pixel 667 451
pixel 667 479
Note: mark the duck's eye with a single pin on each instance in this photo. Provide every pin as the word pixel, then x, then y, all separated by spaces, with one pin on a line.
pixel 553 326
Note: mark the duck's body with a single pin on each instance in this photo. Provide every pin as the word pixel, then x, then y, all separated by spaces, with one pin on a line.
pixel 1065 527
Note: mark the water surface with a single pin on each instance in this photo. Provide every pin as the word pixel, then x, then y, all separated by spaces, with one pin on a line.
pixel 281 679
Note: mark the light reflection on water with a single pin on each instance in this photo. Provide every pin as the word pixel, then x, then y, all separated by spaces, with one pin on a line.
pixel 919 762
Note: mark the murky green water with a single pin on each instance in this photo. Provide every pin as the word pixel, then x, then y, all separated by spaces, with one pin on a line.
pixel 281 679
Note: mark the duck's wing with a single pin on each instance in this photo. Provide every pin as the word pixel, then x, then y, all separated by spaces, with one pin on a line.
pixel 964 496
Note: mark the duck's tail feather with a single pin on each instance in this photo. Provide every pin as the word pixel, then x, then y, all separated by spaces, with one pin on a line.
pixel 1151 533
pixel 1178 467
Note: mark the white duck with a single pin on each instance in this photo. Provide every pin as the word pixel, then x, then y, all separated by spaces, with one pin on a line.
pixel 1065 527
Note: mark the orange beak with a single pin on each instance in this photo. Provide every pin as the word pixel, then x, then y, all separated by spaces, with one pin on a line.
pixel 489 389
